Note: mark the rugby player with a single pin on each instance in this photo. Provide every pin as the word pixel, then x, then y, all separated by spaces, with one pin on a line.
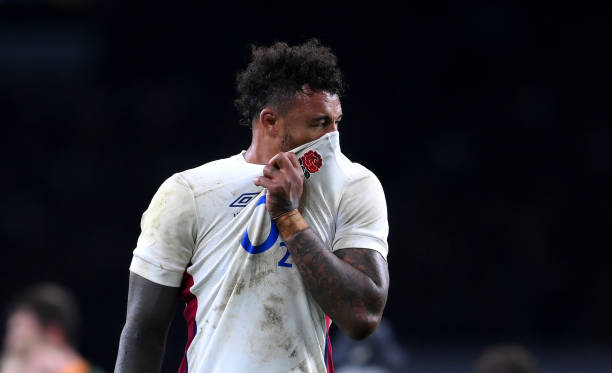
pixel 267 246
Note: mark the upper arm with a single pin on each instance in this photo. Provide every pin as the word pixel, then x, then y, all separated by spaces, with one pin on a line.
pixel 369 262
pixel 150 305
pixel 165 247
pixel 361 233
pixel 150 311
pixel 372 296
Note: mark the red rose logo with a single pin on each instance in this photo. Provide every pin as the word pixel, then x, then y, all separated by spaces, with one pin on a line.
pixel 312 161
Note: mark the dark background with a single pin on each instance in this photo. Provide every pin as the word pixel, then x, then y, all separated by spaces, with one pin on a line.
pixel 488 124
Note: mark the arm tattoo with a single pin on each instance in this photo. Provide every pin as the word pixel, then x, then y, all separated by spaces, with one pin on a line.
pixel 350 284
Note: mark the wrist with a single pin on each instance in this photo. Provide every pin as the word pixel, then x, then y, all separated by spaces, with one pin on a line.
pixel 290 223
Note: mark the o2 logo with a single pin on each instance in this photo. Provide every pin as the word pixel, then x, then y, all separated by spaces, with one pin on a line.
pixel 268 242
pixel 283 262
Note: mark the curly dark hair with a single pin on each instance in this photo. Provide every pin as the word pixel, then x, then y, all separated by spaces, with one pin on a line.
pixel 276 73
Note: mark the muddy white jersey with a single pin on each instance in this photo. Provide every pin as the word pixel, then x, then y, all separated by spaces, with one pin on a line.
pixel 247 310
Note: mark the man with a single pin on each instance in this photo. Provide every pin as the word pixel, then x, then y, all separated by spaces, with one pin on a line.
pixel 257 303
pixel 41 333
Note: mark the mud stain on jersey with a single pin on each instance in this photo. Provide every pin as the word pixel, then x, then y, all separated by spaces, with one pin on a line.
pixel 240 286
pixel 301 367
pixel 272 318
pixel 233 287
pixel 226 298
pixel 260 273
pixel 220 307
pixel 287 344
pixel 276 298
pixel 273 324
pixel 259 278
pixel 156 208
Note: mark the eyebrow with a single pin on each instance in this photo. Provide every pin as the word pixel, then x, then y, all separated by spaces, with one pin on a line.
pixel 326 117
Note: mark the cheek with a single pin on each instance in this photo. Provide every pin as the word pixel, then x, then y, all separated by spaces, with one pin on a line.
pixel 21 334
pixel 295 138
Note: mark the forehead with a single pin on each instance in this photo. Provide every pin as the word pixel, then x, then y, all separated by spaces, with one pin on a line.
pixel 317 102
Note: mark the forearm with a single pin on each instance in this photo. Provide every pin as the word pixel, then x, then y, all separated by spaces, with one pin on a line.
pixel 140 350
pixel 350 297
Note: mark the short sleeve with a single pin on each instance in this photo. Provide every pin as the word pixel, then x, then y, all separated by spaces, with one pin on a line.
pixel 168 230
pixel 362 216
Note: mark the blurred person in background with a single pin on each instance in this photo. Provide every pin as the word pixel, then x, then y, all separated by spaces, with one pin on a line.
pixel 41 333
pixel 380 353
pixel 506 359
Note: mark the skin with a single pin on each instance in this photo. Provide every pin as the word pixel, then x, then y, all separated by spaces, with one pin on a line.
pixel 31 347
pixel 23 330
pixel 350 284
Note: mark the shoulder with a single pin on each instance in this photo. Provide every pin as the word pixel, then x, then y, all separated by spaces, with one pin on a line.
pixel 362 213
pixel 215 174
pixel 183 186
pixel 357 175
pixel 207 170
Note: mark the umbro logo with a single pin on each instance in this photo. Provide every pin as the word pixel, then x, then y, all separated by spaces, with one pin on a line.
pixel 243 199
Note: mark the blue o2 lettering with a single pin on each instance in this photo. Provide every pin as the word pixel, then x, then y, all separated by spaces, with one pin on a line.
pixel 283 262
pixel 268 243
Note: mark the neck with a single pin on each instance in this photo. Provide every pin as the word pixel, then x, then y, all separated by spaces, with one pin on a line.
pixel 262 148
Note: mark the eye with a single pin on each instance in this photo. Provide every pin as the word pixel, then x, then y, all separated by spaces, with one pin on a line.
pixel 325 122
pixel 321 123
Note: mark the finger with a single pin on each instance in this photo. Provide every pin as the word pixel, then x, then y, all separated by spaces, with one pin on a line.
pixel 274 161
pixel 269 170
pixel 281 161
pixel 293 159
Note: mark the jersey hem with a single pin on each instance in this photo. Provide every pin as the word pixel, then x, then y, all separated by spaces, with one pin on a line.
pixel 155 274
pixel 361 242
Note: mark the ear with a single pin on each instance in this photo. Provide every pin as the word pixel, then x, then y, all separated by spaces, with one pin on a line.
pixel 269 119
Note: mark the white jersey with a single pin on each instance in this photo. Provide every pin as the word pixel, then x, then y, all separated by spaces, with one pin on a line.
pixel 207 230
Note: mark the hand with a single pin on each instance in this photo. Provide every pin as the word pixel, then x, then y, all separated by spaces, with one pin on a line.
pixel 284 179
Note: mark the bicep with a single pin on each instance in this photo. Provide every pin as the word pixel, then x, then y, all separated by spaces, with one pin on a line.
pixel 150 305
pixel 370 262
pixel 149 314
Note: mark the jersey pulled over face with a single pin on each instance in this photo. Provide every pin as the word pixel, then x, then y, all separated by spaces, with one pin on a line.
pixel 207 230
pixel 311 115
